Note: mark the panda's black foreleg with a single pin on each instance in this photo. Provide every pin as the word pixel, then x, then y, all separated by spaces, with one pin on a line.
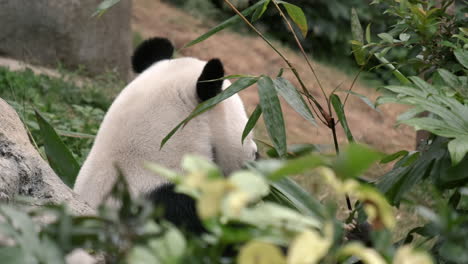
pixel 177 208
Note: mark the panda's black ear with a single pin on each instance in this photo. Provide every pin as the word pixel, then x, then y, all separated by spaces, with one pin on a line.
pixel 213 70
pixel 151 51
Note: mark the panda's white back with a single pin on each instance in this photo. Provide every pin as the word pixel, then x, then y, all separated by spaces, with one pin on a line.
pixel 144 113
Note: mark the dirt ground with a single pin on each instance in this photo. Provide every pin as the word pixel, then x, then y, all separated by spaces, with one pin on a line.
pixel 244 54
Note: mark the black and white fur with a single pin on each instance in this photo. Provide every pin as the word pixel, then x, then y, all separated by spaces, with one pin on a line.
pixel 164 93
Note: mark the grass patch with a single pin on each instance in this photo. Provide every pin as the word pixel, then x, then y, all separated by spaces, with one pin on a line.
pixel 75 111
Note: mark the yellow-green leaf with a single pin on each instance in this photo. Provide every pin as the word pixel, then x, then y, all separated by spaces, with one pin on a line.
pixel 297 16
pixel 368 33
pixel 366 255
pixel 408 255
pixel 258 252
pixel 300 253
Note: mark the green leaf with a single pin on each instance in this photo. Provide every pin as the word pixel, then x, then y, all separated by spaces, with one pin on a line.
pixel 26 232
pixel 462 57
pixel 449 78
pixel 406 90
pixel 402 78
pixel 354 160
pixel 168 247
pixel 287 190
pixel 338 106
pixel 141 254
pixel 51 253
pixel 297 16
pixel 385 100
pixel 14 255
pixel 272 114
pixel 404 37
pixel 294 150
pixel 435 126
pixel 423 85
pixel 104 6
pixel 227 23
pixel 358 37
pixel 448 44
pixel 260 11
pixel 409 171
pixel 271 215
pixel 60 158
pixel 359 54
pixel 386 37
pixel 366 100
pixel 294 98
pixel 229 77
pixel 453 117
pixel 356 28
pixel 410 114
pixel 234 88
pixel 251 122
pixel 298 166
pixel 394 156
pixel 458 149
pixel 368 33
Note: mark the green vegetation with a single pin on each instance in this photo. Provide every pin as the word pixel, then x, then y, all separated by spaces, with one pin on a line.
pixel 75 111
pixel 272 210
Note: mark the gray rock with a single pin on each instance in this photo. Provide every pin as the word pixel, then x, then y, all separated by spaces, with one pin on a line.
pixel 47 32
pixel 24 172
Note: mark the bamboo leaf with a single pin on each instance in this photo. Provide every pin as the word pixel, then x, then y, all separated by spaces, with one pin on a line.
pixel 260 11
pixel 60 158
pixel 227 23
pixel 288 190
pixel 338 106
pixel 354 160
pixel 234 88
pixel 294 99
pixel 272 114
pixel 366 100
pixel 356 28
pixel 358 37
pixel 298 166
pixel 394 156
pixel 252 121
pixel 297 16
pixel 104 6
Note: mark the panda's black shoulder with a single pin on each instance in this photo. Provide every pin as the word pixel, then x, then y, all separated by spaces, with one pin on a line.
pixel 177 208
pixel 150 51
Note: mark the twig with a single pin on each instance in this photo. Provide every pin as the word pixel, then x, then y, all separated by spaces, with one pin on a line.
pixel 301 49
pixel 296 74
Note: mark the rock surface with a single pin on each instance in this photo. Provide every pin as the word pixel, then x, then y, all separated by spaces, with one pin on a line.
pixel 48 32
pixel 24 172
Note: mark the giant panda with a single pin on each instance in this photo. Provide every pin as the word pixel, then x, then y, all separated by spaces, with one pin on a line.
pixel 164 93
